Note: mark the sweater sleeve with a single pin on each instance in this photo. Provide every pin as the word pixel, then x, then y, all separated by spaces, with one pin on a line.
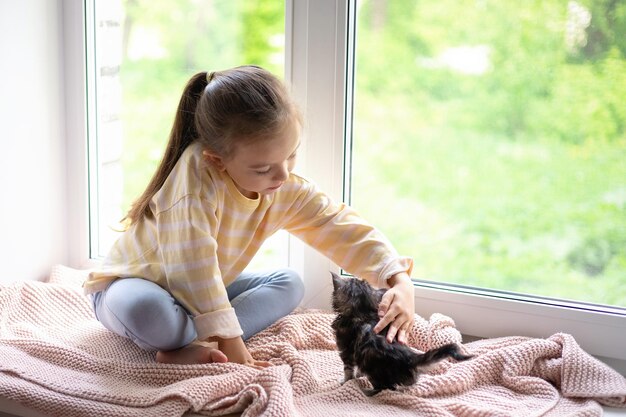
pixel 337 231
pixel 188 252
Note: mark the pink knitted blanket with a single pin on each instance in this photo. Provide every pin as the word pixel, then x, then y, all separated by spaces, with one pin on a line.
pixel 55 357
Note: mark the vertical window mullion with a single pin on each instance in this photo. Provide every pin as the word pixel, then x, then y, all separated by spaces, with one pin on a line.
pixel 316 59
pixel 350 69
pixel 91 124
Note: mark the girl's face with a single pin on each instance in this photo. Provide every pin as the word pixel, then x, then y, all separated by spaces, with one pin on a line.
pixel 261 167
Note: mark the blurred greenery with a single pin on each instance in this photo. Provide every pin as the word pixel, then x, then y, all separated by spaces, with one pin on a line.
pixel 490 143
pixel 489 135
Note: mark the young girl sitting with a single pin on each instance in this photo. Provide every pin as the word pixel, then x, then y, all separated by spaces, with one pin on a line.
pixel 224 185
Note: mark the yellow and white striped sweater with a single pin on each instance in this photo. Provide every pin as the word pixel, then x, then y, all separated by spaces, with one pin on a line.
pixel 204 232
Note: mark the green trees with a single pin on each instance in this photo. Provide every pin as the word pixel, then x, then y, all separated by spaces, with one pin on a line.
pixel 497 129
pixel 547 71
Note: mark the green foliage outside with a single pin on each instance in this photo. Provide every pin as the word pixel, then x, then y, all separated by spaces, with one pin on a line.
pixel 511 178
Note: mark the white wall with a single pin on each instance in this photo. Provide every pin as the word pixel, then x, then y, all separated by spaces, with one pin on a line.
pixel 32 151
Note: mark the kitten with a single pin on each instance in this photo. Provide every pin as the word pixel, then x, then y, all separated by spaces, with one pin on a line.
pixel 386 365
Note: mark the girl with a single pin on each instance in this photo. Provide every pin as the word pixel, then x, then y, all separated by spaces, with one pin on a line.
pixel 223 186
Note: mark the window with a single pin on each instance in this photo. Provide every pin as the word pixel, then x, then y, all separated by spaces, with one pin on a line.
pixel 488 143
pixel 319 65
pixel 142 54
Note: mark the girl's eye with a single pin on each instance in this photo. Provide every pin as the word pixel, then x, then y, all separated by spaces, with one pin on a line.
pixel 263 172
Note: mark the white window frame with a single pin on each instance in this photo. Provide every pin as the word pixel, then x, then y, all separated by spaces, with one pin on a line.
pixel 75 74
pixel 316 58
pixel 317 54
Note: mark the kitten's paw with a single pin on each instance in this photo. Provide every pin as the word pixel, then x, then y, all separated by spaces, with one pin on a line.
pixel 348 374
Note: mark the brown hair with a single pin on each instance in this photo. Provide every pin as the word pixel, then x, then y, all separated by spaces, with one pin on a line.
pixel 221 109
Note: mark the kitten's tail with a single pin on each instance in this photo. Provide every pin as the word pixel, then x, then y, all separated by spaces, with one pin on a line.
pixel 435 355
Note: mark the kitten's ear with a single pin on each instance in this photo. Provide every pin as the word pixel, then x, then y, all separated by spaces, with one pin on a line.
pixel 337 281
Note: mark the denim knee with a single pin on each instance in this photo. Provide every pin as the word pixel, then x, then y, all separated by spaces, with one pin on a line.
pixel 152 319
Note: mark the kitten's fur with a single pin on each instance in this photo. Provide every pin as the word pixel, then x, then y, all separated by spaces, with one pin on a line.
pixel 386 365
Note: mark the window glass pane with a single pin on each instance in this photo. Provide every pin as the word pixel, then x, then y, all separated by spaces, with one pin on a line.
pixel 144 53
pixel 489 141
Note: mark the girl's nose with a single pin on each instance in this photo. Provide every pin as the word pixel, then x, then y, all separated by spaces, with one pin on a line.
pixel 282 173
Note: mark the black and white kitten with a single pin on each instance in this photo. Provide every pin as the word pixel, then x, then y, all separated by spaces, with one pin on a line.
pixel 386 365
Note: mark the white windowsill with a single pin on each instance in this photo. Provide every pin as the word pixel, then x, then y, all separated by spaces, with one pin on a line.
pixel 600 334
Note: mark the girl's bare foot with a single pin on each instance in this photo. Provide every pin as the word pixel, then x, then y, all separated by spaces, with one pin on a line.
pixel 191 354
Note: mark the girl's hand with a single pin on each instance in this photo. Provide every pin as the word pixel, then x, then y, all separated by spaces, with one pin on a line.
pixel 236 351
pixel 397 308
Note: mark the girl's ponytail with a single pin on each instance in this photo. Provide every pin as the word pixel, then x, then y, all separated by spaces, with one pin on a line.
pixel 182 135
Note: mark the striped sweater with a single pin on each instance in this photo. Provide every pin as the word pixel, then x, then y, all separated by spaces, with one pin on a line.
pixel 204 232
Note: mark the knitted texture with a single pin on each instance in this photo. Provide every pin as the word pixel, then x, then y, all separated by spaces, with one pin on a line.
pixel 55 357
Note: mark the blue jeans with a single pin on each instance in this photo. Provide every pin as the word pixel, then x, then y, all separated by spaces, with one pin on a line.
pixel 148 315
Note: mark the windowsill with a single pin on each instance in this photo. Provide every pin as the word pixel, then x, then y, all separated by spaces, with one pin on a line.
pixel 599 334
